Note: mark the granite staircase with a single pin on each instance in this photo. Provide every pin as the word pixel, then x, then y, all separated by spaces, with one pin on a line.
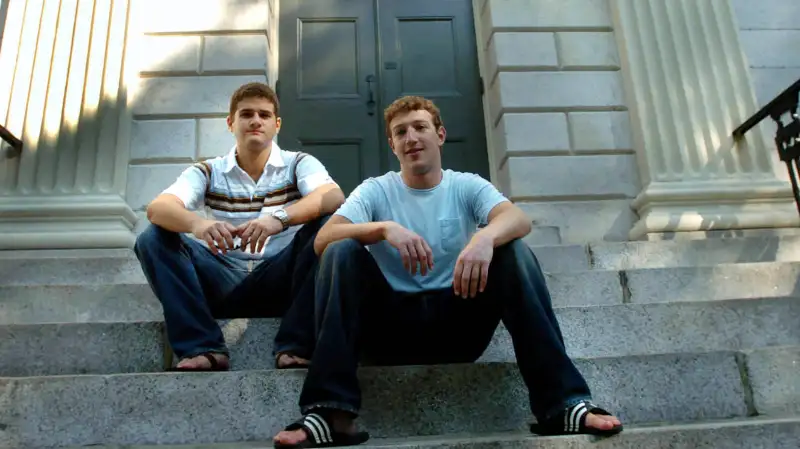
pixel 693 343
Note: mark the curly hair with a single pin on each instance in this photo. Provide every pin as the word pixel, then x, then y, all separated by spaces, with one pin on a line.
pixel 254 90
pixel 404 105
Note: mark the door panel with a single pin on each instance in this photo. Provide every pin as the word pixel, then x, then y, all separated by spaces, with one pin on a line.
pixel 428 48
pixel 337 75
pixel 327 52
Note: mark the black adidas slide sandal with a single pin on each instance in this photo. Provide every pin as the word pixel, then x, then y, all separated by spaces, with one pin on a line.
pixel 572 421
pixel 320 434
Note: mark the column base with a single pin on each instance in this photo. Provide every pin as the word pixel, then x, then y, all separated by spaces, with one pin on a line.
pixel 66 222
pixel 714 206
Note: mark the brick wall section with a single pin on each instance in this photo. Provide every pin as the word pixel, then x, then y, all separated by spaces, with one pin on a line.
pixel 770 36
pixel 559 125
pixel 191 66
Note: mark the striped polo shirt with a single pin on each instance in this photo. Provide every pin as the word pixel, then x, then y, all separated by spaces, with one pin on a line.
pixel 225 192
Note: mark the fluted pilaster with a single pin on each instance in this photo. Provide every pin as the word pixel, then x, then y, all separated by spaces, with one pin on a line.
pixel 688 87
pixel 63 94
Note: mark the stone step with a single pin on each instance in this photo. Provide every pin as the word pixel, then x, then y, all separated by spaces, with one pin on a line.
pixel 67 267
pixel 595 331
pixel 107 300
pixel 182 408
pixel 763 433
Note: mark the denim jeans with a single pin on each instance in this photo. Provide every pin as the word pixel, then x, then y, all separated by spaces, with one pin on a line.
pixel 196 287
pixel 358 313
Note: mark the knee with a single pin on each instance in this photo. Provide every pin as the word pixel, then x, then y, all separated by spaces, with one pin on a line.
pixel 512 252
pixel 154 237
pixel 342 251
pixel 516 254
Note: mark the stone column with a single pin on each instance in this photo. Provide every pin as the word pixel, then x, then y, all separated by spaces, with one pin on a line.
pixel 63 93
pixel 688 87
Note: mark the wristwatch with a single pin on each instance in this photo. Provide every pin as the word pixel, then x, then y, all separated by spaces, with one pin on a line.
pixel 282 216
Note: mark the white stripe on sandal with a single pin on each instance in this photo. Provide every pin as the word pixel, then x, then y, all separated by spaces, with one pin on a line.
pixel 319 428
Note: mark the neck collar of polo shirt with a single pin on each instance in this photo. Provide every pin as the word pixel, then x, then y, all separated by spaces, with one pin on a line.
pixel 275 159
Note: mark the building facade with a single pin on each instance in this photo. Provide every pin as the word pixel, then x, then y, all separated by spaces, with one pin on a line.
pixel 603 119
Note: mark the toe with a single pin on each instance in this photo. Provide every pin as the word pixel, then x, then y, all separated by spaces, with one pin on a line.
pixel 290 437
pixel 291 360
pixel 597 422
pixel 612 419
pixel 191 363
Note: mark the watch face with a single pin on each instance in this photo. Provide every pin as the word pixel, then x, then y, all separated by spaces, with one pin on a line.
pixel 280 214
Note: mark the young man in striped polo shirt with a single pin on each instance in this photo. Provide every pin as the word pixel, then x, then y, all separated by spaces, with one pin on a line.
pixel 252 254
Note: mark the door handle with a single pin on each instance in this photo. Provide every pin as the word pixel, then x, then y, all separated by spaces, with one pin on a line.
pixel 371 99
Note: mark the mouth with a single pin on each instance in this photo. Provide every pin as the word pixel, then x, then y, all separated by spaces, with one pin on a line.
pixel 413 151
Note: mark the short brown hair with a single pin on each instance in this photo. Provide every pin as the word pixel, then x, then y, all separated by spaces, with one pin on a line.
pixel 404 105
pixel 254 90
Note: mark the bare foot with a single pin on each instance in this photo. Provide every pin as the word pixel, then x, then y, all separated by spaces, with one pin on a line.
pixel 341 423
pixel 601 422
pixel 201 362
pixel 286 360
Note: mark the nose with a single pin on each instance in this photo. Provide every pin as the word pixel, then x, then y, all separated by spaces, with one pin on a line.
pixel 411 135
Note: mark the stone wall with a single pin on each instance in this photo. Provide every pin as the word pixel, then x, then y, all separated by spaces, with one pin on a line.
pixel 558 123
pixel 189 64
pixel 770 36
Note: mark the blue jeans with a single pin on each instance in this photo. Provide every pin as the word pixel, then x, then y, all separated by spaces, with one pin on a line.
pixel 358 313
pixel 196 287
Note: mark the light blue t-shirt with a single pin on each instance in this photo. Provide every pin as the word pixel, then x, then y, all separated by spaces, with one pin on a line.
pixel 446 216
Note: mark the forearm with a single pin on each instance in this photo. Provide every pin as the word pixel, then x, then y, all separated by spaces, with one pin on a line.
pixel 170 214
pixel 324 200
pixel 365 233
pixel 509 225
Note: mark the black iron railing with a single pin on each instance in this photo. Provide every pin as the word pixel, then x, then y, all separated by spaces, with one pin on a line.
pixel 783 110
pixel 14 144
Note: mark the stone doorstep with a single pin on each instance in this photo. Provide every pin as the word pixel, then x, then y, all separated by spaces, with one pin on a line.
pixel 54 267
pixel 767 433
pixel 170 408
pixel 106 299
pixel 599 331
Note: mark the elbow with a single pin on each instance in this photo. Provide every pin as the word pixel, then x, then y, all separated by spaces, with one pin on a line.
pixel 525 224
pixel 151 210
pixel 337 200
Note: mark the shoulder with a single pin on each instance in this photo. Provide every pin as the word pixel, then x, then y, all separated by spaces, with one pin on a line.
pixel 376 186
pixel 295 157
pixel 214 164
pixel 385 182
pixel 289 156
pixel 465 180
pixel 460 176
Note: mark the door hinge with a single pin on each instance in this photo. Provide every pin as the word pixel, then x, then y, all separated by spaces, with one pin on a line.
pixel 278 89
pixel 480 85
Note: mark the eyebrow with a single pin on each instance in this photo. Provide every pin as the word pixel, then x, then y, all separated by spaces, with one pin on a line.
pixel 397 127
pixel 253 110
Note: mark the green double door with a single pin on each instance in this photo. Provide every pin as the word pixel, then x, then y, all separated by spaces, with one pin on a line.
pixel 343 61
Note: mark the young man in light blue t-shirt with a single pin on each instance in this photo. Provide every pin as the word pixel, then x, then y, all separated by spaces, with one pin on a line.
pixel 419 267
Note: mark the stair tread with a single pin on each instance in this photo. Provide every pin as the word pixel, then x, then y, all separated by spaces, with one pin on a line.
pixel 108 297
pixel 160 408
pixel 707 434
pixel 592 331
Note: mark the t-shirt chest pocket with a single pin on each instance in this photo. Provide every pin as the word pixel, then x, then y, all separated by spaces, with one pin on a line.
pixel 450 234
